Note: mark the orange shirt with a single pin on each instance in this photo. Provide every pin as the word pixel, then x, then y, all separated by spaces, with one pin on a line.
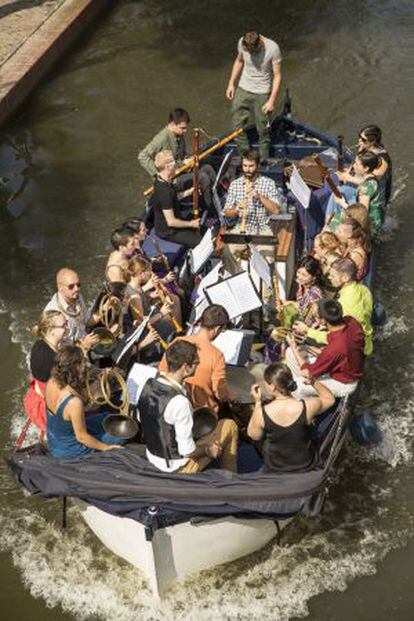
pixel 208 385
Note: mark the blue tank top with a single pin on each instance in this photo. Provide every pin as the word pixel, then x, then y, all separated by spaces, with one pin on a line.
pixel 61 436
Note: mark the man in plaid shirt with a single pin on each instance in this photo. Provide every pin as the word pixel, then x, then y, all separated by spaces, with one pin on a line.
pixel 263 199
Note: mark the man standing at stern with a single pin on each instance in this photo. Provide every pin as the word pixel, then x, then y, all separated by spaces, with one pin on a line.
pixel 258 61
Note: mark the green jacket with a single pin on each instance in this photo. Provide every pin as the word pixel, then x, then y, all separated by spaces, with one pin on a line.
pixel 163 141
pixel 356 302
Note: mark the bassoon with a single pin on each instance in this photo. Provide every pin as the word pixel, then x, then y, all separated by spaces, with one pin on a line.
pixel 209 151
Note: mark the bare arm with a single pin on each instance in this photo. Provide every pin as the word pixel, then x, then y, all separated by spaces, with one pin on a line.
pixel 235 72
pixel 321 403
pixel 277 79
pixel 176 223
pixel 270 205
pixel 76 416
pixel 255 429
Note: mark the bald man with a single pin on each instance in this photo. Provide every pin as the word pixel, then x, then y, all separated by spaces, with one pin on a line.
pixel 68 300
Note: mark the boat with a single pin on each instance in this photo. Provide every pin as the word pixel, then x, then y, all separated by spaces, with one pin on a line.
pixel 172 526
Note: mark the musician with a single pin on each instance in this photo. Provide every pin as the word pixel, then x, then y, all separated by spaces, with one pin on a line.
pixel 69 302
pixel 172 138
pixel 167 221
pixel 254 198
pixel 50 331
pixel 125 242
pixel 254 194
pixel 208 386
pixel 69 433
pixel 259 62
pixel 166 417
pixel 354 298
pixel 340 364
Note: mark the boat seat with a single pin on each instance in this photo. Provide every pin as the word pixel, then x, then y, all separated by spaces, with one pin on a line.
pixel 174 252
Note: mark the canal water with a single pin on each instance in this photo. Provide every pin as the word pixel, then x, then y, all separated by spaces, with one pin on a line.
pixel 69 175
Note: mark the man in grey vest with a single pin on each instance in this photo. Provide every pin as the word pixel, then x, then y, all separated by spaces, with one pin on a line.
pixel 166 417
pixel 258 61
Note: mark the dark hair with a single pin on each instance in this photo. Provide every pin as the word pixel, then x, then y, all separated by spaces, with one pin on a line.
pixel 69 369
pixel 252 155
pixel 214 316
pixel 373 134
pixel 311 265
pixel 179 115
pixel 331 311
pixel 134 224
pixel 251 41
pixel 345 266
pixel 369 160
pixel 121 236
pixel 116 289
pixel 280 376
pixel 179 353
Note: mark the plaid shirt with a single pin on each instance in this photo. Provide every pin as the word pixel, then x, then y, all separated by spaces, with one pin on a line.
pixel 257 215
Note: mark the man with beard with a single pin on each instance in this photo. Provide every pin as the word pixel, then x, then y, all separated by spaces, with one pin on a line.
pixel 258 63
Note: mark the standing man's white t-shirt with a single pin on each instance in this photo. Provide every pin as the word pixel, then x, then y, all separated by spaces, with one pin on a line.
pixel 257 73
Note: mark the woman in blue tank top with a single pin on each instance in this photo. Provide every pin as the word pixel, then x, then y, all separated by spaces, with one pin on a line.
pixel 284 423
pixel 69 433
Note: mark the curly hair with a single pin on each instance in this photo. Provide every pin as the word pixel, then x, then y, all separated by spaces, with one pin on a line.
pixel 69 369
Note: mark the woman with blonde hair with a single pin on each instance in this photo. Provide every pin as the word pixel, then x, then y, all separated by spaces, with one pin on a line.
pixel 352 236
pixel 327 248
pixel 51 329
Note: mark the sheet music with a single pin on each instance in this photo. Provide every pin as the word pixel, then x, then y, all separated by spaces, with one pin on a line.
pixel 137 378
pixel 221 293
pixel 244 292
pixel 201 304
pixel 260 266
pixel 210 278
pixel 229 343
pixel 237 294
pixel 299 188
pixel 202 252
pixel 134 337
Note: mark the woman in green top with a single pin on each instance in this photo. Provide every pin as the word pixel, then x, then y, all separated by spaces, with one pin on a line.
pixel 368 194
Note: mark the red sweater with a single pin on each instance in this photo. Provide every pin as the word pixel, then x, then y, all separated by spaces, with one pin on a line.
pixel 343 357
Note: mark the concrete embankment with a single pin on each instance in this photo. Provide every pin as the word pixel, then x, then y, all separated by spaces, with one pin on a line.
pixel 34 35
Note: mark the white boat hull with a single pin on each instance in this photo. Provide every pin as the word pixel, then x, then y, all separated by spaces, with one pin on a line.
pixel 180 550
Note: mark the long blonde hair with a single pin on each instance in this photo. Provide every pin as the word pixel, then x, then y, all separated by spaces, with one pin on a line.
pixel 45 322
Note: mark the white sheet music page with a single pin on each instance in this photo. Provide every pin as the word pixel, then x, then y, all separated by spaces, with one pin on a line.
pixel 260 266
pixel 229 343
pixel 210 278
pixel 202 252
pixel 299 188
pixel 221 293
pixel 200 306
pixel 244 293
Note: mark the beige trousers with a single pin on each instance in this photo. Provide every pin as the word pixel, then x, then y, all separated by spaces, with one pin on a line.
pixel 227 434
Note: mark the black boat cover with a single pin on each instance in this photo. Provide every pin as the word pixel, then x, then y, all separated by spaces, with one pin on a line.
pixel 124 483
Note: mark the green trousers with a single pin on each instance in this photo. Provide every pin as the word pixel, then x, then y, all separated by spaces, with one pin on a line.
pixel 246 105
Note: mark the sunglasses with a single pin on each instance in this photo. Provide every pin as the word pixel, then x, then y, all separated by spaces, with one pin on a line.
pixel 72 285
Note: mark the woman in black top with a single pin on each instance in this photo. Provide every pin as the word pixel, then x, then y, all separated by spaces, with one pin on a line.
pixel 50 330
pixel 285 422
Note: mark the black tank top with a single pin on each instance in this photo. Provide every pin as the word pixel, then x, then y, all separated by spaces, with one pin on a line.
pixel 288 449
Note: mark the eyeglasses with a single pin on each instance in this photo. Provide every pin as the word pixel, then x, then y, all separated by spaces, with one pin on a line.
pixel 72 285
pixel 62 326
pixel 362 138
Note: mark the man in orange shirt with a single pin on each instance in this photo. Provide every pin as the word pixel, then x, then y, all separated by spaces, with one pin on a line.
pixel 208 386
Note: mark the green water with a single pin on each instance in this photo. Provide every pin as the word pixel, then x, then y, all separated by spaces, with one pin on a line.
pixel 70 160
